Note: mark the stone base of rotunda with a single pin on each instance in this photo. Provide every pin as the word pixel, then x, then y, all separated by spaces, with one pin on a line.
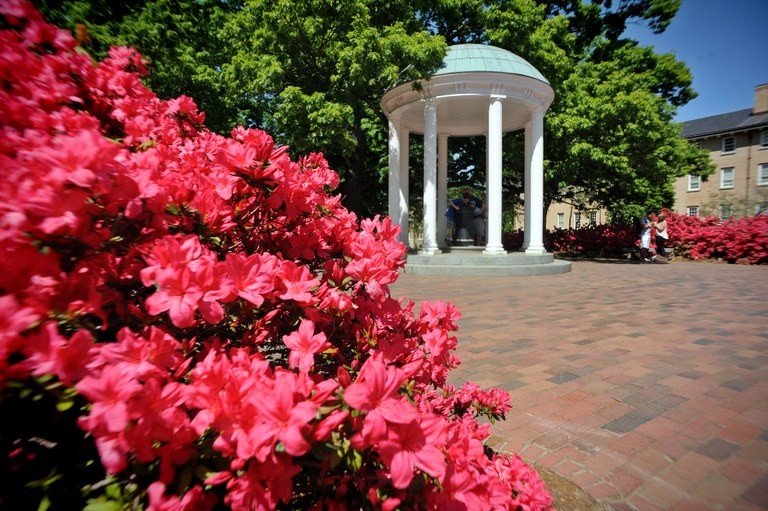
pixel 472 261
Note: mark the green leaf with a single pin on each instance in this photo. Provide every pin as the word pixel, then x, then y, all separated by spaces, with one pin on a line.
pixel 102 504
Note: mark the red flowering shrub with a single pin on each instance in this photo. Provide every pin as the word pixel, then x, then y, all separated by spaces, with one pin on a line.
pixel 193 322
pixel 746 240
pixel 743 241
pixel 605 240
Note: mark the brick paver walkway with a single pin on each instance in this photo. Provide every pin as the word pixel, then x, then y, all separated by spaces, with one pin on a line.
pixel 645 384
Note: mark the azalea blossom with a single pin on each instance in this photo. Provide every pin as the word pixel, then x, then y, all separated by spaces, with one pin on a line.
pixel 304 344
pixel 414 445
pixel 377 392
pixel 295 283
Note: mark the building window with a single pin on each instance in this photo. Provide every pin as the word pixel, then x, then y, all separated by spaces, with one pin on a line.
pixel 762 174
pixel 577 220
pixel 761 208
pixel 692 210
pixel 593 217
pixel 764 139
pixel 729 145
pixel 725 212
pixel 694 183
pixel 726 177
pixel 560 220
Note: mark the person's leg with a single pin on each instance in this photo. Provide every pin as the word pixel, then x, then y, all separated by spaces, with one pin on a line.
pixel 660 248
pixel 645 245
pixel 479 231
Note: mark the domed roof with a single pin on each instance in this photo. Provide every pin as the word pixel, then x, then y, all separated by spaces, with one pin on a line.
pixel 479 58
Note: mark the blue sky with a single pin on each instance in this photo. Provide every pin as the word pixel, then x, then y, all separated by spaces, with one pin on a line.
pixel 724 44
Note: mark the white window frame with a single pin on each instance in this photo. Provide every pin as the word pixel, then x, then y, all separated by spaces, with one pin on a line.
pixel 725 212
pixel 762 174
pixel 593 218
pixel 694 183
pixel 724 143
pixel 692 211
pixel 577 220
pixel 725 184
pixel 560 221
pixel 763 139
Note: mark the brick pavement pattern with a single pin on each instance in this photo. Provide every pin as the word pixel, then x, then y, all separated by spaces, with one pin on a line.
pixel 644 384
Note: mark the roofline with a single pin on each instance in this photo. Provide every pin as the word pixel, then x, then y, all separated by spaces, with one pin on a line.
pixel 734 130
pixel 463 73
pixel 730 129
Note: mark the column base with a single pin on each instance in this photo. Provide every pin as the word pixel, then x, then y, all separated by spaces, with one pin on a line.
pixel 536 250
pixel 494 251
pixel 429 251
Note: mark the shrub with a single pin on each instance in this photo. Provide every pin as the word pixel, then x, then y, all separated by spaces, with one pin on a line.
pixel 743 241
pixel 195 322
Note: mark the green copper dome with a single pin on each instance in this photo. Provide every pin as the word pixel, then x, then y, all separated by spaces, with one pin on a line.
pixel 481 58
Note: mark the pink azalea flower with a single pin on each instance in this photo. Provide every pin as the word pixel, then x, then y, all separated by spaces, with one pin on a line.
pixel 439 313
pixel 216 288
pixel 110 393
pixel 50 353
pixel 195 499
pixel 169 251
pixel 377 392
pixel 414 445
pixel 176 294
pixel 252 275
pixel 78 159
pixel 304 343
pixel 14 319
pixel 261 486
pixel 295 283
pixel 286 417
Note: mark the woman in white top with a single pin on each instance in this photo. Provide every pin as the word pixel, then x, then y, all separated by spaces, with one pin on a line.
pixel 660 227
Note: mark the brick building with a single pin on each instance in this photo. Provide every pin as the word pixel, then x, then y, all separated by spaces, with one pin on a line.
pixel 738 146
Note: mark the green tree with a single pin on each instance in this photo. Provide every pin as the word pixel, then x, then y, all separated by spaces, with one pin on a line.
pixel 179 38
pixel 620 148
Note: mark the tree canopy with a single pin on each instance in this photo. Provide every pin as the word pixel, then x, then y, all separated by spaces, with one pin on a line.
pixel 312 74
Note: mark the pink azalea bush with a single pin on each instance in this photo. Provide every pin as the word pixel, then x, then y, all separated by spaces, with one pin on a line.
pixel 194 322
pixel 604 240
pixel 743 241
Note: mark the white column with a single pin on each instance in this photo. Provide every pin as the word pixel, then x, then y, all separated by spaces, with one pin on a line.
pixel 404 184
pixel 493 234
pixel 398 180
pixel 429 246
pixel 394 171
pixel 536 239
pixel 527 188
pixel 442 189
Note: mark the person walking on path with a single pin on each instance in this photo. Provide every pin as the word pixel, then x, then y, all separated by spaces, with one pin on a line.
pixel 660 229
pixel 644 228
